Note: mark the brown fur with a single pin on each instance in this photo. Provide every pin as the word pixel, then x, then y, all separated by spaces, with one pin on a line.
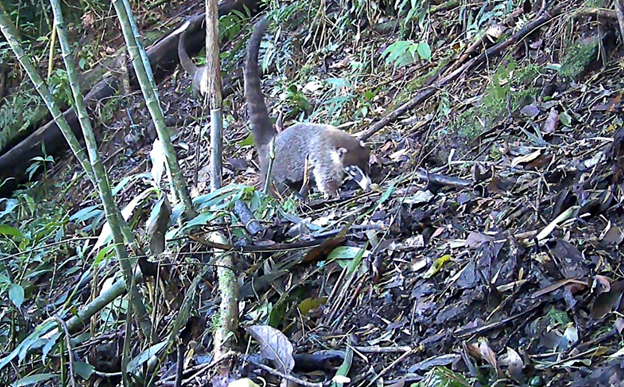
pixel 328 148
pixel 197 73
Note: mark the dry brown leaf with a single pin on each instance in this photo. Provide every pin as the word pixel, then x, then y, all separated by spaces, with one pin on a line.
pixel 526 158
pixel 274 346
pixel 551 122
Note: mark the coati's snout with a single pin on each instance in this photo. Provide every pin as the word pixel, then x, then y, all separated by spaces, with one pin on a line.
pixel 355 165
pixel 360 177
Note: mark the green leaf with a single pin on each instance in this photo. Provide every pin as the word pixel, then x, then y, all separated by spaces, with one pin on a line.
pixel 344 368
pixel 84 370
pixel 103 254
pixel 31 340
pixel 16 295
pixel 437 266
pixel 247 141
pixel 33 379
pixel 565 119
pixel 49 345
pixel 311 303
pixel 86 214
pixel 10 205
pixel 349 252
pixel 424 51
pixel 145 356
pixel 201 219
pixel 355 262
pixel 396 49
pixel 10 231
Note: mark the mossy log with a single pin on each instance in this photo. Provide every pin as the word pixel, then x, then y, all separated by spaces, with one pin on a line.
pixel 163 57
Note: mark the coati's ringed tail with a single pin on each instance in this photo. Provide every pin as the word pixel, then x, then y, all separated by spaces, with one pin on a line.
pixel 197 73
pixel 259 120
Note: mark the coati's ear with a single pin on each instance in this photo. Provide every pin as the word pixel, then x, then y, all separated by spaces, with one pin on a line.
pixel 342 152
pixel 362 144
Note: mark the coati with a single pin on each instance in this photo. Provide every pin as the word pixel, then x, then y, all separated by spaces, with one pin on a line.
pixel 197 73
pixel 330 152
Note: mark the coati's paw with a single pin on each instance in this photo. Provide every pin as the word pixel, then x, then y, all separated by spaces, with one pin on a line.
pixel 330 189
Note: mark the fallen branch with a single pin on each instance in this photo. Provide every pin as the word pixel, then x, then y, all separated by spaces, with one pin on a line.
pixel 258 249
pixel 288 377
pixel 443 180
pixel 467 332
pixel 163 59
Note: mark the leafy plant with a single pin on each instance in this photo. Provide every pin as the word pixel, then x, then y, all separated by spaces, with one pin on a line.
pixel 411 12
pixel 509 88
pixel 578 57
pixel 443 377
pixel 19 112
pixel 39 162
pixel 232 23
pixel 404 52
pixel 486 14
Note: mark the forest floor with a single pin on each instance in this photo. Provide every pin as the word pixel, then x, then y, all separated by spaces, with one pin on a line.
pixel 491 244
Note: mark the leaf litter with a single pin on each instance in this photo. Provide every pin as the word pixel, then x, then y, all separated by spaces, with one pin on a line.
pixel 481 257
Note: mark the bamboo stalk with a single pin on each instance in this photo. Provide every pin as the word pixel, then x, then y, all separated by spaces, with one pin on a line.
pixel 113 215
pixel 148 87
pixel 215 100
pixel 10 33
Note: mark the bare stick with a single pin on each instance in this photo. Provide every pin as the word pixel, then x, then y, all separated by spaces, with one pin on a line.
pixel 291 378
pixel 70 357
pixel 267 180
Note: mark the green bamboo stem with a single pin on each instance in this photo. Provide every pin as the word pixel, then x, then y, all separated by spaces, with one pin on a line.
pixel 10 33
pixel 142 53
pixel 113 215
pixel 151 100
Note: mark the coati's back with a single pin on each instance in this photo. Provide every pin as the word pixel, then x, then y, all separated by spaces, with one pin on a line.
pixel 330 151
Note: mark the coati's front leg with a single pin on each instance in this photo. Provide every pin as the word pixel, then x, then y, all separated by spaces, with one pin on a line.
pixel 305 185
pixel 326 182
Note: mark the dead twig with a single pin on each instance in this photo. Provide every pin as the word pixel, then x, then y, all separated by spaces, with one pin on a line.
pixel 599 12
pixel 378 349
pixel 195 370
pixel 258 249
pixel 443 180
pixel 388 368
pixel 464 333
pixel 291 378
pixel 70 357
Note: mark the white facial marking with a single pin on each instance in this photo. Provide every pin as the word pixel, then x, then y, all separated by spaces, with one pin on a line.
pixel 336 157
pixel 355 173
